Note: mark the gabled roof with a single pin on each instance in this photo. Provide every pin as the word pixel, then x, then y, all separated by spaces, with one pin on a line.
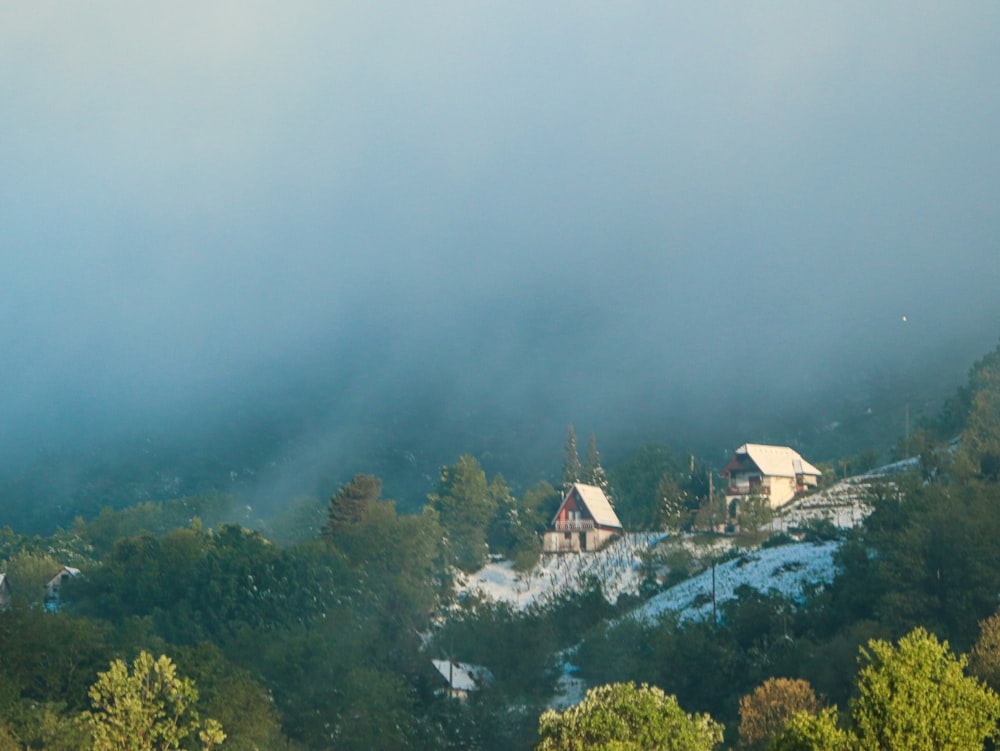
pixel 596 503
pixel 462 675
pixel 56 580
pixel 773 461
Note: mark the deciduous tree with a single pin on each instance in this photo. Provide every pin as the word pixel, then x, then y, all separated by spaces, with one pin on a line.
pixel 812 732
pixel 984 657
pixel 146 708
pixel 671 504
pixel 764 712
pixel 754 512
pixel 626 717
pixel 915 697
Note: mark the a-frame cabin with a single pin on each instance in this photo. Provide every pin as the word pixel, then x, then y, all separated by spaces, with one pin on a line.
pixel 584 521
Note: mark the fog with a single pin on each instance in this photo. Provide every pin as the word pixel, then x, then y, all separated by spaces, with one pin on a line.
pixel 424 229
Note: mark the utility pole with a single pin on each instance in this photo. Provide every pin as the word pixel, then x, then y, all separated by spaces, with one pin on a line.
pixel 906 428
pixel 711 502
pixel 715 615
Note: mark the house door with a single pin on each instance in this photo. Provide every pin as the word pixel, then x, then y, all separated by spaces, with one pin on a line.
pixel 583 541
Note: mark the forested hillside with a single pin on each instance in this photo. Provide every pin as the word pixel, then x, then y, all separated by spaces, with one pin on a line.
pixel 316 629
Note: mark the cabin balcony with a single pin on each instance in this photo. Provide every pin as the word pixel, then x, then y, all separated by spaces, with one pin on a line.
pixel 740 490
pixel 573 525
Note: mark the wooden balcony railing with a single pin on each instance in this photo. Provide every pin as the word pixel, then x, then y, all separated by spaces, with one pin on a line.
pixel 747 490
pixel 574 525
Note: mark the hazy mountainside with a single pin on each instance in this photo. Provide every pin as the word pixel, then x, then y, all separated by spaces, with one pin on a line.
pixel 267 450
pixel 327 637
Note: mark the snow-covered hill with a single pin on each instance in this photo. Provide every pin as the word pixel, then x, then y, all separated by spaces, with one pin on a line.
pixel 791 570
pixel 788 570
pixel 619 568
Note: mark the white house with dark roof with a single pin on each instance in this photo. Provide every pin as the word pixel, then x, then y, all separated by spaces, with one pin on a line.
pixel 776 472
pixel 4 592
pixel 585 521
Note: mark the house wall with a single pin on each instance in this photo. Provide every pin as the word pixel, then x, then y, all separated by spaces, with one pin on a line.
pixel 560 542
pixel 570 511
pixel 597 537
pixel 782 490
pixel 576 541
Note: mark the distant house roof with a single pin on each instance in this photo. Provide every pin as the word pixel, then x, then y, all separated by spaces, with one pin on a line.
pixel 596 503
pixel 462 676
pixel 56 581
pixel 772 461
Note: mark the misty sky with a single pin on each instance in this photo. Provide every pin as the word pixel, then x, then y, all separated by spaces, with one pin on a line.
pixel 593 212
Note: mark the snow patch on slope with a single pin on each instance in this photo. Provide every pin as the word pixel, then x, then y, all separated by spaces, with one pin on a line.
pixel 616 569
pixel 789 570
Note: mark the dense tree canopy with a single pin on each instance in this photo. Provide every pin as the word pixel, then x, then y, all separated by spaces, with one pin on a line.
pixel 915 697
pixel 147 707
pixel 764 712
pixel 323 640
pixel 626 717
pixel 349 504
pixel 812 732
pixel 466 504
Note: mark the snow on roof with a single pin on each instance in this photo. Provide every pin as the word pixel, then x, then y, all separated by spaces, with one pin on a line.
pixel 463 676
pixel 775 461
pixel 57 580
pixel 597 504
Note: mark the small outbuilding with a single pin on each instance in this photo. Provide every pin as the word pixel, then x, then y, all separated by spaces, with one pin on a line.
pixel 585 521
pixel 4 592
pixel 775 472
pixel 463 677
pixel 53 589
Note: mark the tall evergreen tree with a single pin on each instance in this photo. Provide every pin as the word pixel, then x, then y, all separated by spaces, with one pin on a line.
pixel 349 504
pixel 572 470
pixel 593 473
pixel 467 504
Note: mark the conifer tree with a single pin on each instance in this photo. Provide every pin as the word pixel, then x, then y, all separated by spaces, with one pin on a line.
pixel 593 473
pixel 467 504
pixel 571 461
pixel 349 504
